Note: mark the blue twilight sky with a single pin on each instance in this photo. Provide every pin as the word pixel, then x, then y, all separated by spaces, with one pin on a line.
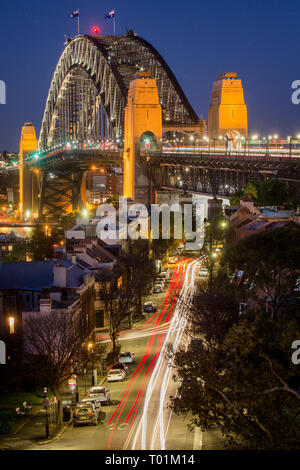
pixel 198 39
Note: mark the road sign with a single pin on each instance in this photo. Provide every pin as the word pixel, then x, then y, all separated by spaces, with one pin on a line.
pixel 72 384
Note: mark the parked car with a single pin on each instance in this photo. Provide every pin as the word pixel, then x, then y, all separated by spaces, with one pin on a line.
pixel 93 402
pixel 85 414
pixel 126 358
pixel 100 393
pixel 166 272
pixel 158 287
pixel 115 375
pixel 123 367
pixel 203 272
pixel 149 307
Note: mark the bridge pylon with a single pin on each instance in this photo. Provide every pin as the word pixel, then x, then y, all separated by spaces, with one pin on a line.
pixel 227 114
pixel 142 131
pixel 28 180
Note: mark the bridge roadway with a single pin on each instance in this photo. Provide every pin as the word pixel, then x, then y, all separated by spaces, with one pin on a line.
pixel 273 158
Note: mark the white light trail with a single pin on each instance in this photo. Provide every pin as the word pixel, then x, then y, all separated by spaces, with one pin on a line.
pixel 177 324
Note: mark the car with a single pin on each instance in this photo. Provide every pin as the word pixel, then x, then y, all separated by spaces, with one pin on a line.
pixel 100 393
pixel 149 307
pixel 166 272
pixel 203 272
pixel 93 402
pixel 85 414
pixel 115 375
pixel 126 358
pixel 157 288
pixel 123 367
pixel 161 278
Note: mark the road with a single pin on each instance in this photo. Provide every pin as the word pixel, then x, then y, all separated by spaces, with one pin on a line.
pixel 139 417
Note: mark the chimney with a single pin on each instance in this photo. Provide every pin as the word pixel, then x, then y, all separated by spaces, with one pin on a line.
pixel 59 275
pixel 45 305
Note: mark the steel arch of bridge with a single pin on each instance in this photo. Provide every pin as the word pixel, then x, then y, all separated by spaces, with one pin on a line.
pixel 88 92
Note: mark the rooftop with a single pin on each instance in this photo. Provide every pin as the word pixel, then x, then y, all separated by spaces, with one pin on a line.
pixel 37 275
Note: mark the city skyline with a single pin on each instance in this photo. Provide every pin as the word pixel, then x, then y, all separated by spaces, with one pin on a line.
pixel 267 71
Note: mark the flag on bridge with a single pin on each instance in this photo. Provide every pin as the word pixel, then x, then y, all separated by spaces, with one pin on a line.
pixel 110 14
pixel 74 14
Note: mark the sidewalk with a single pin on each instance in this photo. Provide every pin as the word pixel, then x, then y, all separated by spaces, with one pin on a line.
pixel 29 430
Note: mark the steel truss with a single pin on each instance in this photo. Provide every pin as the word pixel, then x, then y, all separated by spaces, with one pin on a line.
pixel 59 192
pixel 88 92
pixel 214 176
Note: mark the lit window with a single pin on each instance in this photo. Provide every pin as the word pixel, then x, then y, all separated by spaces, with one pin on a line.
pixel 11 325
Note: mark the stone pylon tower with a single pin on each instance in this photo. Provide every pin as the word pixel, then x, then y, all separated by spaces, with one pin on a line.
pixel 28 180
pixel 227 114
pixel 142 130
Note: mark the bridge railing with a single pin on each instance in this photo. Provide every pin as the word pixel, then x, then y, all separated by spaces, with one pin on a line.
pixel 257 154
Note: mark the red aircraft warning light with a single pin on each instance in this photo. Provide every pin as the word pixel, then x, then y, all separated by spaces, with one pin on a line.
pixel 95 29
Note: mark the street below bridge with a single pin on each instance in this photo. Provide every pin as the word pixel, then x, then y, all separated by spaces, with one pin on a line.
pixel 139 417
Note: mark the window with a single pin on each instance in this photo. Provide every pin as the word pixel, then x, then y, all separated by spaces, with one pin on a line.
pixel 11 321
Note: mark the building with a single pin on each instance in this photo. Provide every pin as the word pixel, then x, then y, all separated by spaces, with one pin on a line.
pixel 102 186
pixel 7 242
pixel 248 220
pixel 40 286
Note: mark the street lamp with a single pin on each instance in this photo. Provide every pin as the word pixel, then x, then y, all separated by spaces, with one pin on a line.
pixel 91 350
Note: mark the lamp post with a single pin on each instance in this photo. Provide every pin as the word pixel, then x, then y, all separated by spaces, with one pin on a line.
pixel 45 403
pixel 91 350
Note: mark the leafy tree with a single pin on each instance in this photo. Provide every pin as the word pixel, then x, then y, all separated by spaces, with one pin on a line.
pixel 214 311
pixel 250 191
pixel 270 259
pixel 40 245
pixel 271 193
pixel 68 221
pixel 248 387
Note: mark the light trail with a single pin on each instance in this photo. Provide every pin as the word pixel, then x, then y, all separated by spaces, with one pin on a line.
pixel 177 318
pixel 172 293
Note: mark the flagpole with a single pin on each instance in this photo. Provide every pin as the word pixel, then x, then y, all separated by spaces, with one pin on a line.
pixel 115 23
pixel 78 22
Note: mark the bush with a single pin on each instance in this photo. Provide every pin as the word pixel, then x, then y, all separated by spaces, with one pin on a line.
pixel 6 422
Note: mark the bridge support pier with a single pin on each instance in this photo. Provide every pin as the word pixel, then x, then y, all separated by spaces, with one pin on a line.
pixel 61 192
pixel 27 181
pixel 143 130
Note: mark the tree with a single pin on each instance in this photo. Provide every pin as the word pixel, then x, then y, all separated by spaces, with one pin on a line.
pixel 118 302
pixel 140 270
pixel 40 245
pixel 250 191
pixel 249 387
pixel 214 311
pixel 271 260
pixel 52 344
pixel 271 193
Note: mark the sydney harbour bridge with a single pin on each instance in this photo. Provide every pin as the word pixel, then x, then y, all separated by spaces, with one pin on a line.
pixel 113 100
